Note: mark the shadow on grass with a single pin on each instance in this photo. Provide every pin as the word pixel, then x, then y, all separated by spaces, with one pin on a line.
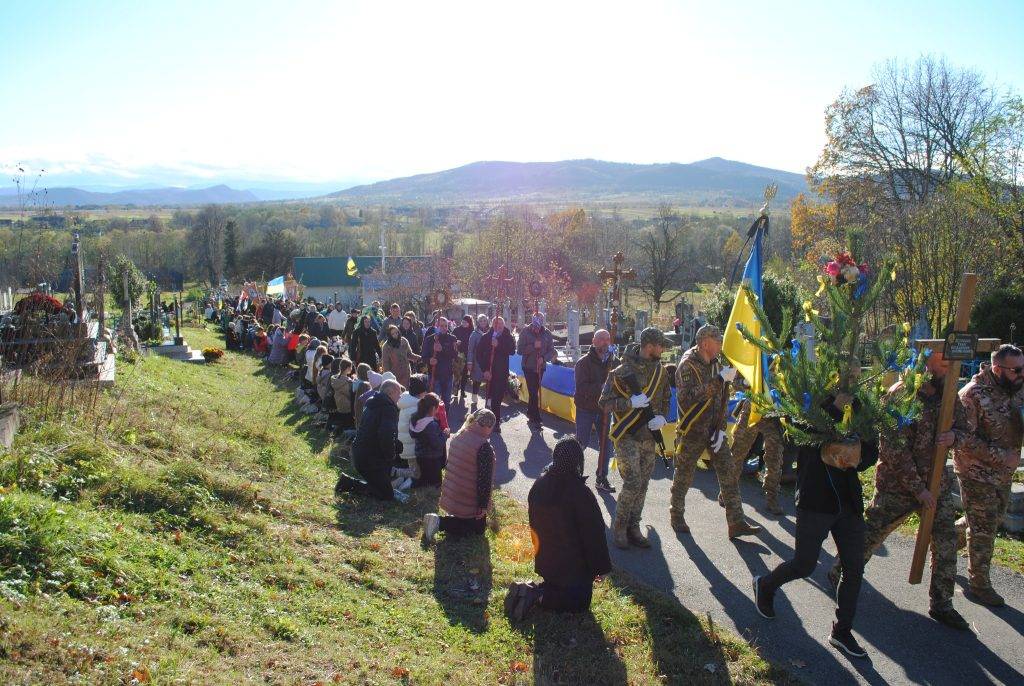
pixel 572 649
pixel 463 579
pixel 316 434
pixel 360 515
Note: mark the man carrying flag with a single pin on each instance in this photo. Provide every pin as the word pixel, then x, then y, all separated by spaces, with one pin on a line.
pixel 752 366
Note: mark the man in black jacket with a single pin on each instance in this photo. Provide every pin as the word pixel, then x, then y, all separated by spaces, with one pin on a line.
pixel 491 355
pixel 828 500
pixel 569 535
pixel 376 444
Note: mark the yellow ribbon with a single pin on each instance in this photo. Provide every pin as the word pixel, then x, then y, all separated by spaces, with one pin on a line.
pixel 847 415
pixel 821 286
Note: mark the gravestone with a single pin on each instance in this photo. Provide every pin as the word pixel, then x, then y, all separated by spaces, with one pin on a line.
pixel 922 329
pixel 573 326
pixel 640 324
pixel 606 319
pixel 804 332
pixel 9 422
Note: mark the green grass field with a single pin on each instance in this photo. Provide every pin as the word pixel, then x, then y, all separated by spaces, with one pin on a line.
pixel 185 531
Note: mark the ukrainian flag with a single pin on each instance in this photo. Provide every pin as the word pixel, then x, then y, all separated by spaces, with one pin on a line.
pixel 745 357
pixel 353 270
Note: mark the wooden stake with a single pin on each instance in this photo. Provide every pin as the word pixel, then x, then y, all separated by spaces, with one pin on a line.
pixel 949 396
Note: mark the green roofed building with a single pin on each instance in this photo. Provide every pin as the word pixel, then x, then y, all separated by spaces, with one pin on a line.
pixel 326 278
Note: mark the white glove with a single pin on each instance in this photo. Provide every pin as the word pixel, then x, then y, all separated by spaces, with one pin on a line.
pixel 717 441
pixel 656 423
pixel 727 374
pixel 639 400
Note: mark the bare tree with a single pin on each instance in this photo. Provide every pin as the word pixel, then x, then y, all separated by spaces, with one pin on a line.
pixel 661 263
pixel 893 149
pixel 207 241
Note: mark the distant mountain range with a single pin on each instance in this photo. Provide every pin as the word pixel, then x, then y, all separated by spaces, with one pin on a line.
pixel 76 197
pixel 714 181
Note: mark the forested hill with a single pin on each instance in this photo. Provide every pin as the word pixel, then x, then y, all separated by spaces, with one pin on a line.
pixel 713 181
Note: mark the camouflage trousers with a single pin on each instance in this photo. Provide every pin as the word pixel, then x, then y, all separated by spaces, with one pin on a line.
pixel 984 507
pixel 743 438
pixel 888 510
pixel 636 464
pixel 689 448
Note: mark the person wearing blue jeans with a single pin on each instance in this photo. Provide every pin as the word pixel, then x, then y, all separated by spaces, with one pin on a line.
pixel 590 373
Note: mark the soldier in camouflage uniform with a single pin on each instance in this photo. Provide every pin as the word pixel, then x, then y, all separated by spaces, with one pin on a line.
pixel 986 460
pixel 635 449
pixel 901 488
pixel 702 391
pixel 743 438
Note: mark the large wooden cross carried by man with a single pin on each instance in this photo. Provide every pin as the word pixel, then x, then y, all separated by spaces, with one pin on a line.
pixel 615 276
pixel 957 347
pixel 499 282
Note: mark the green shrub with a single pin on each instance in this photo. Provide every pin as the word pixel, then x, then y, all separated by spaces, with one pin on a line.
pixel 994 313
pixel 779 292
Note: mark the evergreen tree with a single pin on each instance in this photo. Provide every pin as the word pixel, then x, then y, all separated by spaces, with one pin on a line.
pixel 825 395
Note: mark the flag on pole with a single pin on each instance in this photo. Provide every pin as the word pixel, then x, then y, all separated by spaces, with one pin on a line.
pixel 751 364
pixel 352 269
pixel 276 286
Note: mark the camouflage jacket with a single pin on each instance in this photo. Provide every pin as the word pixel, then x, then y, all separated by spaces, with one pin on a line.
pixel 612 399
pixel 905 464
pixel 702 395
pixel 991 451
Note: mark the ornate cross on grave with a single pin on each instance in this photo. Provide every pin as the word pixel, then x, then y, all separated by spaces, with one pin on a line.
pixel 616 275
pixel 957 347
pixel 500 281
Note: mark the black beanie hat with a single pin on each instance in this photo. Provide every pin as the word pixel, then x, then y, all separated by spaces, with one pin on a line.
pixel 418 384
pixel 567 457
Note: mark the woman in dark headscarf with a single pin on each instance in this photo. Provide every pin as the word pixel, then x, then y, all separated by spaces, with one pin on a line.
pixel 365 346
pixel 569 535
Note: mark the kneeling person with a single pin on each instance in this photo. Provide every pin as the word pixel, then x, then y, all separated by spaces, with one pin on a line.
pixel 568 533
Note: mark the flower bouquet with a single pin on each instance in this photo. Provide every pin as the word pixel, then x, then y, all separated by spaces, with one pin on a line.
pixel 825 397
pixel 212 354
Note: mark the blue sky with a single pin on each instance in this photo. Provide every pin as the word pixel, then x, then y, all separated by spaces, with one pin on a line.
pixel 345 91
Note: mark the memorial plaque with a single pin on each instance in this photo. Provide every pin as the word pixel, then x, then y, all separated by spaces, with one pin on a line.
pixel 960 346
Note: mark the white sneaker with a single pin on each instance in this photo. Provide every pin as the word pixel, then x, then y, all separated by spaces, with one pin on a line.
pixel 431 523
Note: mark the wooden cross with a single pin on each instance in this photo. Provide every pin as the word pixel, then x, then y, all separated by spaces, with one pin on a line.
pixel 949 396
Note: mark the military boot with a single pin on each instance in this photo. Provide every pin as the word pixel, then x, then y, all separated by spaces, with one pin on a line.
pixel 636 537
pixel 620 537
pixel 744 528
pixel 680 526
pixel 985 596
pixel 951 618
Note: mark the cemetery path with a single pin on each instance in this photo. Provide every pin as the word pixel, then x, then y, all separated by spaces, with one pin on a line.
pixel 711 575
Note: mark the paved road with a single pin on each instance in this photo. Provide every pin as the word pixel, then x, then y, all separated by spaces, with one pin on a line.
pixel 708 573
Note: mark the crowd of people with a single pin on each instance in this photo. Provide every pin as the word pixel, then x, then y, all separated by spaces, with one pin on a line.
pixel 385 384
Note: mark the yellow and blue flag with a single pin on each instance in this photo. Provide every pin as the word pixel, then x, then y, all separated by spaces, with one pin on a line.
pixel 353 270
pixel 750 362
